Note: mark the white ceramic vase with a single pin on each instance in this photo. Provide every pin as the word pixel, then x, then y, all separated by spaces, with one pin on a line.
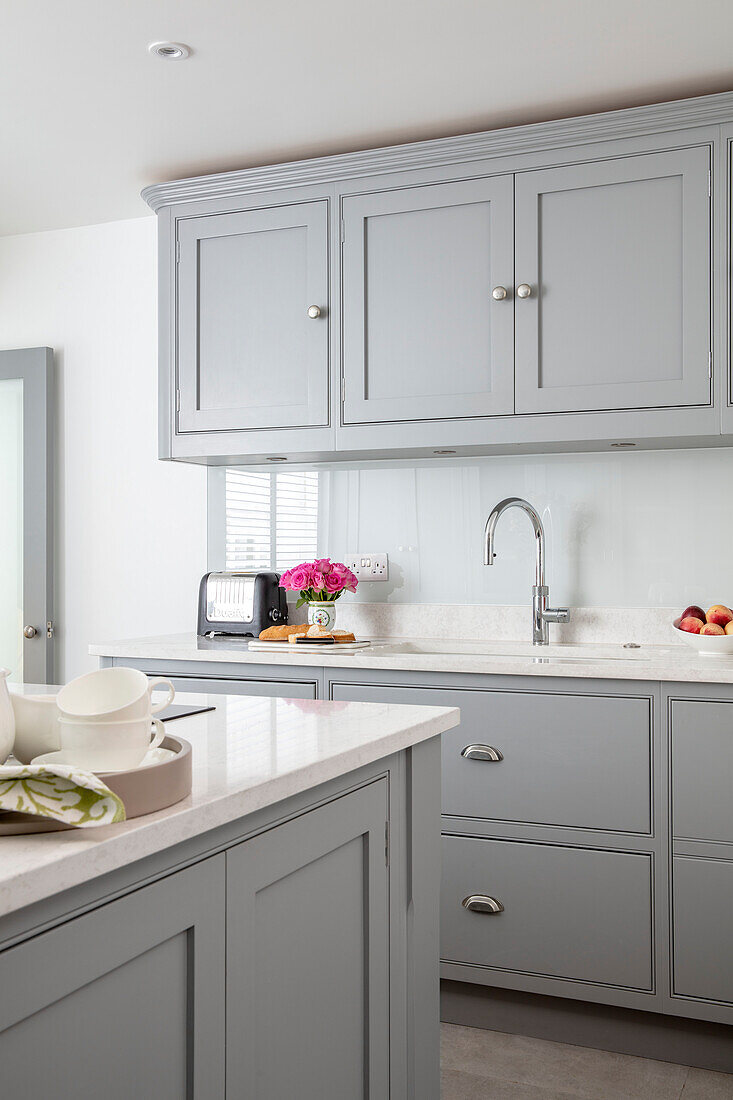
pixel 7 717
pixel 322 614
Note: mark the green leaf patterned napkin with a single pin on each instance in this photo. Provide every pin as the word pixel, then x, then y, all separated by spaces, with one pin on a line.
pixel 59 791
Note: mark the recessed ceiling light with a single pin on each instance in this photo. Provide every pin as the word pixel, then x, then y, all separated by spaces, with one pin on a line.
pixel 444 452
pixel 169 51
pixel 276 458
pixel 621 445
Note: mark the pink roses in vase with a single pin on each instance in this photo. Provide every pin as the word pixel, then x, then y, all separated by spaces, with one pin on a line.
pixel 320 581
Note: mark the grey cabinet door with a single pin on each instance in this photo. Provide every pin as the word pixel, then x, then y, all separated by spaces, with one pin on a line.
pixel 423 338
pixel 703 902
pixel 308 926
pixel 568 912
pixel 127 1000
pixel 617 256
pixel 249 353
pixel 702 770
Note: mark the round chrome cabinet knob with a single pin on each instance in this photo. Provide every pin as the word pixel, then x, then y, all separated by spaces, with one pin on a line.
pixel 524 290
pixel 314 311
pixel 498 293
pixel 29 632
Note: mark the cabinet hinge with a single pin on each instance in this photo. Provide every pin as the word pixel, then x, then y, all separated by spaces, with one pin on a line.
pixel 178 252
pixel 178 400
pixel 343 231
pixel 50 629
pixel 386 843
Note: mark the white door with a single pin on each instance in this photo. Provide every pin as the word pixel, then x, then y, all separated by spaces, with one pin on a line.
pixel 26 514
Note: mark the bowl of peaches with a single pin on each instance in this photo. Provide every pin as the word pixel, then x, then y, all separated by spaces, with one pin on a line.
pixel 709 632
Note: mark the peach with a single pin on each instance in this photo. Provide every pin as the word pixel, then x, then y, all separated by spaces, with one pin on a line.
pixel 691 624
pixel 693 612
pixel 729 628
pixel 719 615
pixel 712 628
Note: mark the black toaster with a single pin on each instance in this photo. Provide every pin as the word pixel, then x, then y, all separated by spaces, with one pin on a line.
pixel 241 603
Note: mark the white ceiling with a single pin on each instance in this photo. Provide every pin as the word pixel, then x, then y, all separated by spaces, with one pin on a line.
pixel 88 117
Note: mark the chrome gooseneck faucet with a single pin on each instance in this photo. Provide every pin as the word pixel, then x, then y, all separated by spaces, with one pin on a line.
pixel 542 615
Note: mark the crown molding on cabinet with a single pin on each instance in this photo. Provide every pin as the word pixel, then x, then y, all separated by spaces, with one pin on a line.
pixel 630 122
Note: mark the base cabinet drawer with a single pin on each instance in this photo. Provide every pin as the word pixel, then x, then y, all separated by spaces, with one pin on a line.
pixel 702 769
pixel 703 928
pixel 579 761
pixel 573 913
pixel 278 689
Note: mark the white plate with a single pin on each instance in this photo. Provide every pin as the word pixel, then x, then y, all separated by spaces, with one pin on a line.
pixel 707 645
pixel 338 647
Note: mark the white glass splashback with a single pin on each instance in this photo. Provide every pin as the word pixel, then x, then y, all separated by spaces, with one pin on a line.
pixel 11 526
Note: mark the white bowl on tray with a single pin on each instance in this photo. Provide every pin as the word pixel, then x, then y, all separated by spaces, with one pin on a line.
pixel 707 645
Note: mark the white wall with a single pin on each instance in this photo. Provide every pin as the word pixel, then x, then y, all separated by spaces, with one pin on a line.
pixel 131 530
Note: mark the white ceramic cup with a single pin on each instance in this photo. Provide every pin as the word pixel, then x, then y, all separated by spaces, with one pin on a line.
pixel 36 725
pixel 109 746
pixel 111 694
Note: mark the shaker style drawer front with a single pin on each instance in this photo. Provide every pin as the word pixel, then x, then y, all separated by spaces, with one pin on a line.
pixel 578 761
pixel 702 770
pixel 547 910
pixel 703 904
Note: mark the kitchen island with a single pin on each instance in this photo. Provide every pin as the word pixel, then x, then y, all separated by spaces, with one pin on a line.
pixel 274 934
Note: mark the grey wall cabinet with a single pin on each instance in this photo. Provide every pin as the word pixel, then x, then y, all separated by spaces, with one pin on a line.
pixel 617 257
pixel 423 338
pixel 309 925
pixel 127 1000
pixel 252 319
pixel 609 235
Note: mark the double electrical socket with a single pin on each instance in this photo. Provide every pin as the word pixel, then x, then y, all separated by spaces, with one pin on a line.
pixel 369 567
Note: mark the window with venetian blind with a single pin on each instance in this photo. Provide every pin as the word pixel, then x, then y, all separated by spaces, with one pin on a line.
pixel 271 519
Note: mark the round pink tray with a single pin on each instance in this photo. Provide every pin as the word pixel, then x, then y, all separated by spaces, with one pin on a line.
pixel 142 790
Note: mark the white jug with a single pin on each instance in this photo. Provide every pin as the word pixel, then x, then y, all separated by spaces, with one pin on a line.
pixel 7 717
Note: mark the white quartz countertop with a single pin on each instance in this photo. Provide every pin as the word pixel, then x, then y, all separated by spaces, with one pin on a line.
pixel 590 660
pixel 248 753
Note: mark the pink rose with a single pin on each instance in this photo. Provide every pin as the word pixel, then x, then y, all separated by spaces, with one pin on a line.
pixel 299 578
pixel 322 565
pixel 349 581
pixel 285 579
pixel 318 581
pixel 333 582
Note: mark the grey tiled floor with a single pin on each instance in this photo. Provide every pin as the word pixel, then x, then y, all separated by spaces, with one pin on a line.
pixel 487 1065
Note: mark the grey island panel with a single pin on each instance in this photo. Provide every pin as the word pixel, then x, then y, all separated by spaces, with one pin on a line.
pixel 127 1000
pixel 307 955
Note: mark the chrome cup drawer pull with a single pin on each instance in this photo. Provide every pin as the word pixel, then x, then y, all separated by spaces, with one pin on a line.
pixel 482 752
pixel 482 903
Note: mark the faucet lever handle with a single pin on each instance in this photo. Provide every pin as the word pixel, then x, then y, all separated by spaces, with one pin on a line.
pixel 556 615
